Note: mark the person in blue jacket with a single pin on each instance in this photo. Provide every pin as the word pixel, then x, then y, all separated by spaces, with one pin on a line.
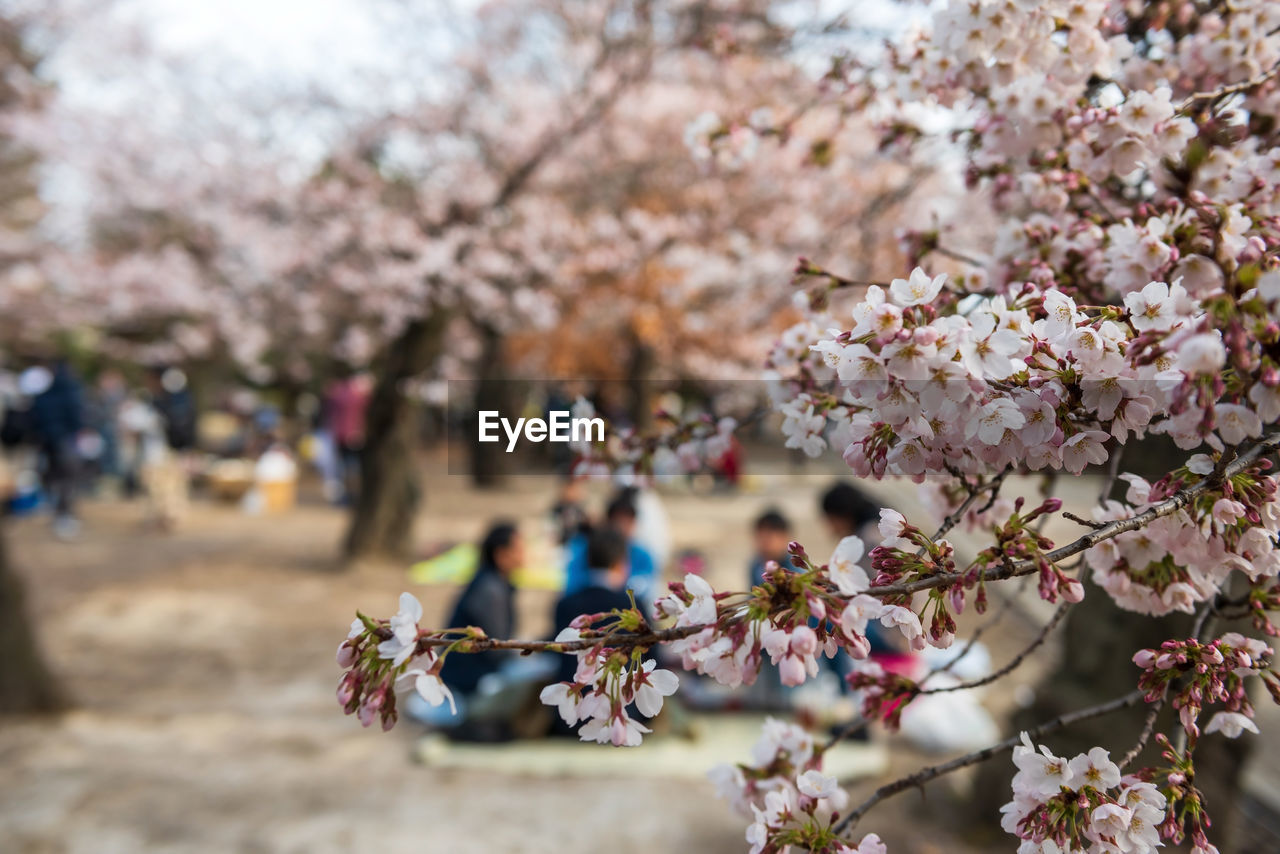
pixel 641 570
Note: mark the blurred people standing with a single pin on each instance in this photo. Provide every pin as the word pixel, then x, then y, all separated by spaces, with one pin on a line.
pixel 771 535
pixel 165 468
pixel 105 402
pixel 568 516
pixel 56 419
pixel 345 404
pixel 171 395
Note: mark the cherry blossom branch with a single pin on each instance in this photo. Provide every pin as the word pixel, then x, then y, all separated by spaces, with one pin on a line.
pixel 953 518
pixel 924 775
pixel 958 256
pixel 1149 724
pixel 1233 89
pixel 1148 729
pixel 1013 663
pixel 625 640
pixel 1171 505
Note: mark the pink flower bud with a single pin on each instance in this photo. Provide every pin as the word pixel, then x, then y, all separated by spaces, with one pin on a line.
pixel 803 641
pixel 791 671
pixel 618 732
pixel 1144 658
pixel 816 606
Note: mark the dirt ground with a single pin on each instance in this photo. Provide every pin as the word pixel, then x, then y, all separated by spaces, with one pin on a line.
pixel 201 664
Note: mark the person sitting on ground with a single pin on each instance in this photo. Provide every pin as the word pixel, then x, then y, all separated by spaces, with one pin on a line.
pixel 606 559
pixel 605 590
pixel 489 688
pixel 771 534
pixel 641 570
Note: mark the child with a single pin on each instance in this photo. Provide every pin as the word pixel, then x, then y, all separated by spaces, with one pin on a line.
pixel 772 535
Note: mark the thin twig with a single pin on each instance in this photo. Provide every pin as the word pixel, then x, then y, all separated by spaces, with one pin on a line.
pixel 1233 89
pixel 1080 520
pixel 624 640
pixel 1149 724
pixel 958 256
pixel 1148 728
pixel 1014 662
pixel 924 775
pixel 955 516
pixel 1170 505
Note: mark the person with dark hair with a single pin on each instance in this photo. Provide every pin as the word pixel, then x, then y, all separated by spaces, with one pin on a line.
pixel 772 534
pixel 490 689
pixel 488 603
pixel 606 559
pixel 56 419
pixel 847 510
pixel 171 396
pixel 850 513
pixel 620 516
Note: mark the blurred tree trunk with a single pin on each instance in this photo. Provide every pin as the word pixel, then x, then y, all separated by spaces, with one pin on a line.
pixel 640 382
pixel 1098 642
pixel 390 491
pixel 26 685
pixel 493 392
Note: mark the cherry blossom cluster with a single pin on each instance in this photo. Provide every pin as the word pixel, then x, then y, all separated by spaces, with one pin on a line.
pixel 726 145
pixel 927 382
pixel 606 684
pixel 1081 804
pixel 381 656
pixel 1199 674
pixel 1182 559
pixel 793 617
pixel 791 802
pixel 1113 272
pixel 675 446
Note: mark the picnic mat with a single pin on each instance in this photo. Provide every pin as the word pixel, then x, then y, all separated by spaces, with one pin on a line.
pixel 719 738
pixel 456 565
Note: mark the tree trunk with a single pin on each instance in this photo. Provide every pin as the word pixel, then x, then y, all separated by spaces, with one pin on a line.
pixel 390 492
pixel 640 383
pixel 26 685
pixel 492 392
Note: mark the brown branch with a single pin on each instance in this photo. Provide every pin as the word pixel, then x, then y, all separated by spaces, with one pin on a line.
pixel 1013 663
pixel 924 775
pixel 1148 729
pixel 624 640
pixel 1012 569
pixel 1110 530
pixel 955 516
pixel 1233 89
pixel 1080 520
